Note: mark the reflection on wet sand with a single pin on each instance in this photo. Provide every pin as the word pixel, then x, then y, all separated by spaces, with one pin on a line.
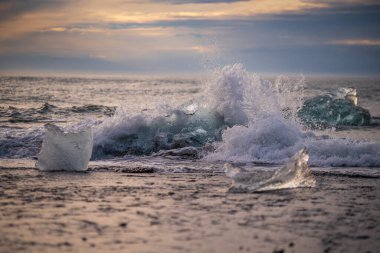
pixel 184 212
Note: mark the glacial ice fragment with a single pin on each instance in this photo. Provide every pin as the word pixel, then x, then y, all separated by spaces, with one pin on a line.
pixel 295 173
pixel 340 109
pixel 349 94
pixel 65 151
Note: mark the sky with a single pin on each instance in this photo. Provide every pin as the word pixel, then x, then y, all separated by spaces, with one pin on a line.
pixel 189 36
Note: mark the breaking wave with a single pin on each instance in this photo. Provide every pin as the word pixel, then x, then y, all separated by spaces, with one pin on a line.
pixel 240 117
pixel 273 132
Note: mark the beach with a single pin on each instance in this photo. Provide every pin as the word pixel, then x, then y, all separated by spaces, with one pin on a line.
pixel 156 178
pixel 189 126
pixel 105 209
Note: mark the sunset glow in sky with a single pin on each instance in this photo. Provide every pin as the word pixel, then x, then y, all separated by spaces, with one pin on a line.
pixel 169 36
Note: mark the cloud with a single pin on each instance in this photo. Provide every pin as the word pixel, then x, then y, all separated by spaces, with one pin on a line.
pixel 23 17
pixel 266 35
pixel 57 29
pixel 10 9
pixel 356 42
pixel 199 1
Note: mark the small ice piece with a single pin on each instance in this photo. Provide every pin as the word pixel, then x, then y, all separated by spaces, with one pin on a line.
pixel 295 173
pixel 349 94
pixel 65 151
pixel 191 109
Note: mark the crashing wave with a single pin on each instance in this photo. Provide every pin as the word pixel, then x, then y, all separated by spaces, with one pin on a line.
pixel 273 132
pixel 65 151
pixel 295 173
pixel 245 118
pixel 232 98
pixel 143 134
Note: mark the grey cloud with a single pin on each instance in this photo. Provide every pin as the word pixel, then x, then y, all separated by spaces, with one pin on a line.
pixel 10 9
pixel 199 1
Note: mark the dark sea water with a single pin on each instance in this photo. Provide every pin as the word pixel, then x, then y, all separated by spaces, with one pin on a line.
pixel 230 115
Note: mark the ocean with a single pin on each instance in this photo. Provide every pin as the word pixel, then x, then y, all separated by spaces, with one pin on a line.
pixel 227 162
pixel 228 116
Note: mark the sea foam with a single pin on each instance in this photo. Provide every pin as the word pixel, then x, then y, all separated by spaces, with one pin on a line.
pixel 267 128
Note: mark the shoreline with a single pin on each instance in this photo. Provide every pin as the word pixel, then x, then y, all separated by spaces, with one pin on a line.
pixel 184 212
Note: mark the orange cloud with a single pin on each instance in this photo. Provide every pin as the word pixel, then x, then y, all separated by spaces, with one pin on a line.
pixel 356 42
pixel 120 11
pixel 57 29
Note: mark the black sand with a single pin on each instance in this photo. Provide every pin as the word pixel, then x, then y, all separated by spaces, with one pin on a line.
pixel 153 212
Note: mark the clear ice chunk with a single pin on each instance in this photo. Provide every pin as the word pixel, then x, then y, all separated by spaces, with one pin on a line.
pixel 295 173
pixel 65 151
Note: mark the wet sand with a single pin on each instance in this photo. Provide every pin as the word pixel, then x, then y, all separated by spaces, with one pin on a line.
pixel 184 212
